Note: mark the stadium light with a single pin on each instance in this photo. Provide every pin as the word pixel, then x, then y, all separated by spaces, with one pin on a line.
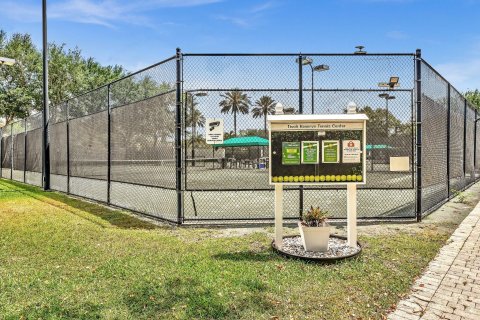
pixel 321 67
pixel 7 61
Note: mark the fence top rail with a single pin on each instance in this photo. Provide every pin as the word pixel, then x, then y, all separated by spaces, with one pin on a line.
pixel 295 90
pixel 293 54
pixel 142 70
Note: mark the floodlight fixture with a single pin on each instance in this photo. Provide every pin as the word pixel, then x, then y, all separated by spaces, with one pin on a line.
pixel 305 61
pixel 386 96
pixel 321 67
pixel 393 82
pixel 7 61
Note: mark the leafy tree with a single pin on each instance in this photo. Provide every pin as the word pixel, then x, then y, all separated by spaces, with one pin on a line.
pixel 20 84
pixel 69 75
pixel 235 102
pixel 473 97
pixel 263 107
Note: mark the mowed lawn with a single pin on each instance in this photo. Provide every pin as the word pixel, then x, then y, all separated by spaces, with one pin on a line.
pixel 65 258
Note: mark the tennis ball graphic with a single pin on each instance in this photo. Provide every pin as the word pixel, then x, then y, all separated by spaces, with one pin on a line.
pixel 327 178
pixel 290 179
pixel 343 178
pixel 285 178
pixel 322 178
pixel 337 178
pixel 275 179
pixel 306 178
pixel 280 179
pixel 295 179
pixel 317 178
pixel 359 178
pixel 349 177
pixel 332 177
pixel 312 178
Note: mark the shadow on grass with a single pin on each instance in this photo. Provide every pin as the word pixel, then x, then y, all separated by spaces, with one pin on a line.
pixel 253 256
pixel 114 217
pixel 186 297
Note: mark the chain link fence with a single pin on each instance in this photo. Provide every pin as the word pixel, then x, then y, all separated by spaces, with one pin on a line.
pixel 139 143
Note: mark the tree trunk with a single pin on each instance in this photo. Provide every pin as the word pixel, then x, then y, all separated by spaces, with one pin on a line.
pixel 265 124
pixel 235 123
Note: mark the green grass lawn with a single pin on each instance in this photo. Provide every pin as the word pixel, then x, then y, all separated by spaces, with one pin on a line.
pixel 65 258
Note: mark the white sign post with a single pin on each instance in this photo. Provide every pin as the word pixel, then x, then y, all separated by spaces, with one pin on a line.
pixel 214 131
pixel 296 158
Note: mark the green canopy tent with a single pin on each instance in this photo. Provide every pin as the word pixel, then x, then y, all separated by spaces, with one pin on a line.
pixel 243 142
pixel 251 141
pixel 378 146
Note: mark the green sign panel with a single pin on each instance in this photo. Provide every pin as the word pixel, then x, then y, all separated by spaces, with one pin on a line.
pixel 310 152
pixel 290 153
pixel 330 151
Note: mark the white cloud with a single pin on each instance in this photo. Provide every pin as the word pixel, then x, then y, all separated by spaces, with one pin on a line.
pixel 397 35
pixel 263 7
pixel 235 20
pixel 105 12
pixel 462 75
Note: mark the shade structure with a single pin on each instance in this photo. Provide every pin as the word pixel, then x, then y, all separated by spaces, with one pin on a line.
pixel 243 142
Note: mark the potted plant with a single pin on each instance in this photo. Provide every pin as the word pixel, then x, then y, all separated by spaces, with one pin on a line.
pixel 315 230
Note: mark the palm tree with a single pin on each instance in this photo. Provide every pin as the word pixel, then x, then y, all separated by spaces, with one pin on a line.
pixel 235 101
pixel 195 119
pixel 263 107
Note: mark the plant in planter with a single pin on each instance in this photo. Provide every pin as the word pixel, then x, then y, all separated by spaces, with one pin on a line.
pixel 315 230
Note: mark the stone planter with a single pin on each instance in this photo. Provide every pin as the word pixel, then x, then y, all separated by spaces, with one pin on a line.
pixel 315 238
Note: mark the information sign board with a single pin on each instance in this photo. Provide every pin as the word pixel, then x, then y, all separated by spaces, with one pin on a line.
pixel 317 149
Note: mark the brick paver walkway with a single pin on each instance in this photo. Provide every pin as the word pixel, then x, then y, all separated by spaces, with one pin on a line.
pixel 450 287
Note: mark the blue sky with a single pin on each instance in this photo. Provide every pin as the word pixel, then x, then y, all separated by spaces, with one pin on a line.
pixel 139 33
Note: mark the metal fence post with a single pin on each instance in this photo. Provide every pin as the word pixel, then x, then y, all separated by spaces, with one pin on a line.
pixel 475 146
pixel 418 82
pixel 109 146
pixel 1 152
pixel 12 150
pixel 178 137
pixel 25 152
pixel 465 142
pixel 300 110
pixel 67 111
pixel 449 110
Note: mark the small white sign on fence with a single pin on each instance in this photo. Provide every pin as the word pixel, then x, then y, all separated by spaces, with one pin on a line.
pixel 214 131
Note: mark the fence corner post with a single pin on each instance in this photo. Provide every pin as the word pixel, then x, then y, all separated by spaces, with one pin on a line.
pixel 418 85
pixel 109 146
pixel 449 113
pixel 465 142
pixel 178 136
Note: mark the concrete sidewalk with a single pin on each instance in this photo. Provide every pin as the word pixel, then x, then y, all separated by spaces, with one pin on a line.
pixel 450 286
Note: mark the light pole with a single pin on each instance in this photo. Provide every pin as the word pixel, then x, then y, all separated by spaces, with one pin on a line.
pixel 321 67
pixel 194 125
pixel 387 97
pixel 45 144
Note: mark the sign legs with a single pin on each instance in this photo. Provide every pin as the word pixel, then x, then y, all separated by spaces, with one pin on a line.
pixel 352 214
pixel 278 215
